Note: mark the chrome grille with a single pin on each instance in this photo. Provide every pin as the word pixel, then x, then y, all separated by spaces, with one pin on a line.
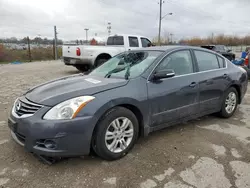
pixel 23 107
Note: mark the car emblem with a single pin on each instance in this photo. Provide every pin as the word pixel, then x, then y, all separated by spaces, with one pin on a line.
pixel 18 105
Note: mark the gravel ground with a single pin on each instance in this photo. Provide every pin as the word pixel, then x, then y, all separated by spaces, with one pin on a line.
pixel 207 152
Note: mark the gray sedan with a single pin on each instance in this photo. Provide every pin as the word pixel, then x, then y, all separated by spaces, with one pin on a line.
pixel 130 95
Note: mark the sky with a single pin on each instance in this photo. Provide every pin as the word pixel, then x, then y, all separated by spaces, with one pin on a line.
pixel 200 18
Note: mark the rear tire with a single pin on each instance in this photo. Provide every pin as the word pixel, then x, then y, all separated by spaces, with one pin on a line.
pixel 233 57
pixel 99 62
pixel 230 103
pixel 82 68
pixel 112 143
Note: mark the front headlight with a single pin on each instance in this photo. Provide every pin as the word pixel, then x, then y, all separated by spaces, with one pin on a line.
pixel 68 109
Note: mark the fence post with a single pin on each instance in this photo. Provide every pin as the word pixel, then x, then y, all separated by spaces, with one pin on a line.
pixel 29 53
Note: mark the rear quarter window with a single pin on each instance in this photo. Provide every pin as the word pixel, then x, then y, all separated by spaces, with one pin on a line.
pixel 221 62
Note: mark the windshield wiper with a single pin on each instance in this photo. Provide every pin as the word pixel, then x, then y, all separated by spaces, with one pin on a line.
pixel 127 74
pixel 114 71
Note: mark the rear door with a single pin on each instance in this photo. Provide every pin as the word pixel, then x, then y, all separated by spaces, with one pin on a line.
pixel 213 80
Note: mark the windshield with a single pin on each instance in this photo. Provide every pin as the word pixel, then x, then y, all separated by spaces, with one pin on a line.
pixel 128 64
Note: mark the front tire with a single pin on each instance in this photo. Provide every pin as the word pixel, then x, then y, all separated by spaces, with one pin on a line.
pixel 116 134
pixel 230 103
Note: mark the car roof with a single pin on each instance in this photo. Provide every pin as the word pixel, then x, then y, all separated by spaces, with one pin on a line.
pixel 170 48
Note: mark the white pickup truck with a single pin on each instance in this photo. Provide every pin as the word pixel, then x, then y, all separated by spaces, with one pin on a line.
pixel 86 57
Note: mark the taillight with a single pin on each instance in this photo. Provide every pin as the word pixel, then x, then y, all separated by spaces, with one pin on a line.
pixel 78 51
pixel 246 61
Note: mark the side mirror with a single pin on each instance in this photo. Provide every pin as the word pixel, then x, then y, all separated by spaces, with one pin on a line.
pixel 167 73
pixel 229 50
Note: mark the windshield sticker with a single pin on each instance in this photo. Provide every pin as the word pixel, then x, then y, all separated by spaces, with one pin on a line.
pixel 93 80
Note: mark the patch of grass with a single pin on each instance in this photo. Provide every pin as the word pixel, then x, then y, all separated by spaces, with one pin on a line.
pixel 37 54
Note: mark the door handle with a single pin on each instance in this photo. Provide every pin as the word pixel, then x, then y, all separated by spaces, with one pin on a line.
pixel 193 84
pixel 209 82
pixel 225 75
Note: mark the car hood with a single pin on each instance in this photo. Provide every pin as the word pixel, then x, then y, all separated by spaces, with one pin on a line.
pixel 56 91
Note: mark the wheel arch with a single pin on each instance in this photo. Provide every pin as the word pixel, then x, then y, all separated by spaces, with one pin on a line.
pixel 102 56
pixel 138 115
pixel 128 105
pixel 238 89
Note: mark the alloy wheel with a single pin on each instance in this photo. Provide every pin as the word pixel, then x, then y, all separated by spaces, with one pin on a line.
pixel 119 134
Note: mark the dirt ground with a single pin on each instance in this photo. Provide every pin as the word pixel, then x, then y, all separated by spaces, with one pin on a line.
pixel 207 152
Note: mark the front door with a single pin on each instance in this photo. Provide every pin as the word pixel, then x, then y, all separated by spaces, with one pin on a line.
pixel 176 97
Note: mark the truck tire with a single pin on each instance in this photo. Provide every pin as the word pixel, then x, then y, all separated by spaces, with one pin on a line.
pixel 233 56
pixel 82 68
pixel 100 61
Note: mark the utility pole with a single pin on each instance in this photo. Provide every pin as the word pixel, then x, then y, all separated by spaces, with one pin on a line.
pixel 171 36
pixel 159 35
pixel 54 49
pixel 109 28
pixel 86 29
pixel 55 32
pixel 29 53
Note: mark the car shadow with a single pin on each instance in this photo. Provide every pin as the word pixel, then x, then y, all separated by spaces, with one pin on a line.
pixel 72 72
pixel 168 134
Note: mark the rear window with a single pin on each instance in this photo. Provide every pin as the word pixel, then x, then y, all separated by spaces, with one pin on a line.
pixel 220 48
pixel 115 40
pixel 209 47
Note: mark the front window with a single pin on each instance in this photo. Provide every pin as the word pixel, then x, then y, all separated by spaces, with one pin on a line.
pixel 127 64
pixel 145 42
pixel 180 62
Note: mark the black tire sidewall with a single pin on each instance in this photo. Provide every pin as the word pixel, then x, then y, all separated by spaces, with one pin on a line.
pixel 82 68
pixel 99 62
pixel 223 112
pixel 99 143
